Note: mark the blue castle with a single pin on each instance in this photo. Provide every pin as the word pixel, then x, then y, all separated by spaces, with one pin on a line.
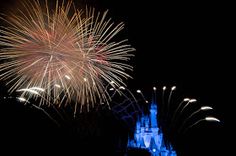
pixel 148 136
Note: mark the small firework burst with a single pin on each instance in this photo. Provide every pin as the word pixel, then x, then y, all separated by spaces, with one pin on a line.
pixel 162 118
pixel 62 55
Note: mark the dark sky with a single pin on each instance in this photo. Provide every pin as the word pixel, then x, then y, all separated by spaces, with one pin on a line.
pixel 187 44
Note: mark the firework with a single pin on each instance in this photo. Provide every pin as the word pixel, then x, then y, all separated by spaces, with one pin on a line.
pixel 62 55
pixel 163 121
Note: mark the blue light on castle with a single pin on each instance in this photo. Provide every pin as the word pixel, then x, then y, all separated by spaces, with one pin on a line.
pixel 147 135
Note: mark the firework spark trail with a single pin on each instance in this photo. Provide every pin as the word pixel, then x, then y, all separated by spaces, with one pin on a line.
pixel 71 57
pixel 172 115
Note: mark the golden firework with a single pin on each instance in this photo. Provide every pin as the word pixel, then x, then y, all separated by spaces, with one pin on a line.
pixel 62 55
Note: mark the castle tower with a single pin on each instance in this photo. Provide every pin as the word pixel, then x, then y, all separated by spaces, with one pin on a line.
pixel 153 115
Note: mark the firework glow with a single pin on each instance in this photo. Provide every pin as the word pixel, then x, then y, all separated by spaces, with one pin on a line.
pixel 63 54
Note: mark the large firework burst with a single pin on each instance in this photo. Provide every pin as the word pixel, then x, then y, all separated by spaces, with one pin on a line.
pixel 62 55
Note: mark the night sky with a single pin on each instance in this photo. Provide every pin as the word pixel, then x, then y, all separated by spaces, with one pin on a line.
pixel 187 44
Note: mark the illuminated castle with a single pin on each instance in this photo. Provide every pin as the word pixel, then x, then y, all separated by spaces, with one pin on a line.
pixel 147 135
